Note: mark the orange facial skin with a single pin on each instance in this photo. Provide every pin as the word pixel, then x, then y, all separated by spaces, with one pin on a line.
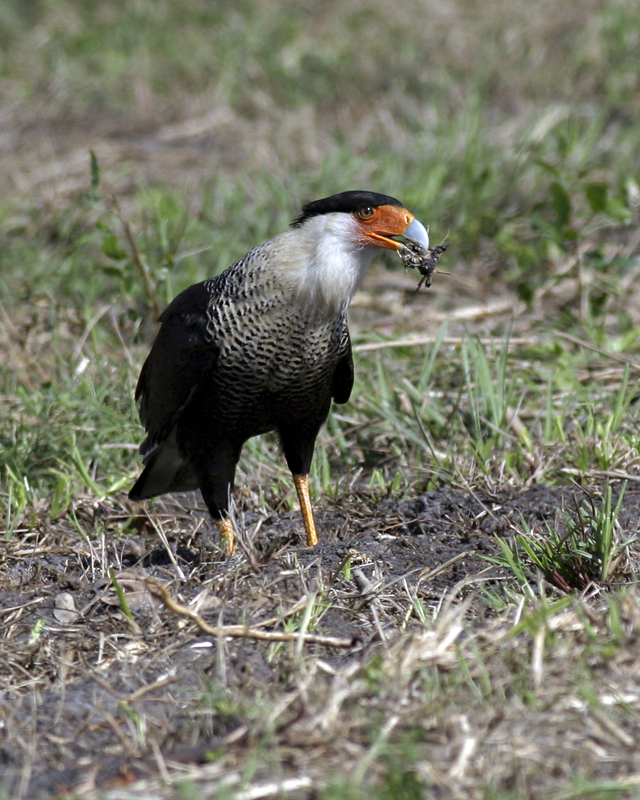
pixel 378 224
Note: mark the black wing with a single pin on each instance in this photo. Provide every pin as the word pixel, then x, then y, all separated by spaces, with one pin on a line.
pixel 181 358
pixel 342 382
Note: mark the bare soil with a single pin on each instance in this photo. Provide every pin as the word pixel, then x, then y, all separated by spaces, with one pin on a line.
pixel 80 680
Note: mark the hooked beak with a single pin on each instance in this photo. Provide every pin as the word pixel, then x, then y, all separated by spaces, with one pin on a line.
pixel 390 225
pixel 416 232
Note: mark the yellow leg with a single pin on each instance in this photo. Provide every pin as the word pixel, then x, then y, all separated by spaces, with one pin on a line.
pixel 225 529
pixel 302 488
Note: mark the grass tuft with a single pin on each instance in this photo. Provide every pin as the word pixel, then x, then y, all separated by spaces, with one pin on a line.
pixel 585 550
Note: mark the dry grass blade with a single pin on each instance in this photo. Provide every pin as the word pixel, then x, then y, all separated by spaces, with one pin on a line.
pixel 136 258
pixel 415 340
pixel 272 789
pixel 613 356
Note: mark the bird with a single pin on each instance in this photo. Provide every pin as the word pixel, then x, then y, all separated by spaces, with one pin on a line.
pixel 263 346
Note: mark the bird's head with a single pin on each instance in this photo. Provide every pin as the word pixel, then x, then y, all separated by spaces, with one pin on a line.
pixel 332 242
pixel 366 219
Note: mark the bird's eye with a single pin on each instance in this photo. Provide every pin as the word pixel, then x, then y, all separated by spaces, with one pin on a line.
pixel 366 212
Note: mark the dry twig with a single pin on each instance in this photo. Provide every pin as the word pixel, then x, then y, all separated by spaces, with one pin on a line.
pixel 241 631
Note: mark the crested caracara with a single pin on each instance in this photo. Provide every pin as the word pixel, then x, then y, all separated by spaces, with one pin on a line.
pixel 264 346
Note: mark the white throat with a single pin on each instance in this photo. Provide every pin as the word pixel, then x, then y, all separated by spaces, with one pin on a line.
pixel 325 265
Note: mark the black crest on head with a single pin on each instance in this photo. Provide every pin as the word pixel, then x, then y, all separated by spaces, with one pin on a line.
pixel 348 202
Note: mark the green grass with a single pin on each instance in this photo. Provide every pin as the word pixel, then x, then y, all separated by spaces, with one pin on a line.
pixel 512 131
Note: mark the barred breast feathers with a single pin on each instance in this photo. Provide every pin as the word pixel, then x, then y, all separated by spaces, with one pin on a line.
pixel 278 314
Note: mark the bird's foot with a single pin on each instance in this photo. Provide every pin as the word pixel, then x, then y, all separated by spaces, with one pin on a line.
pixel 302 488
pixel 227 534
